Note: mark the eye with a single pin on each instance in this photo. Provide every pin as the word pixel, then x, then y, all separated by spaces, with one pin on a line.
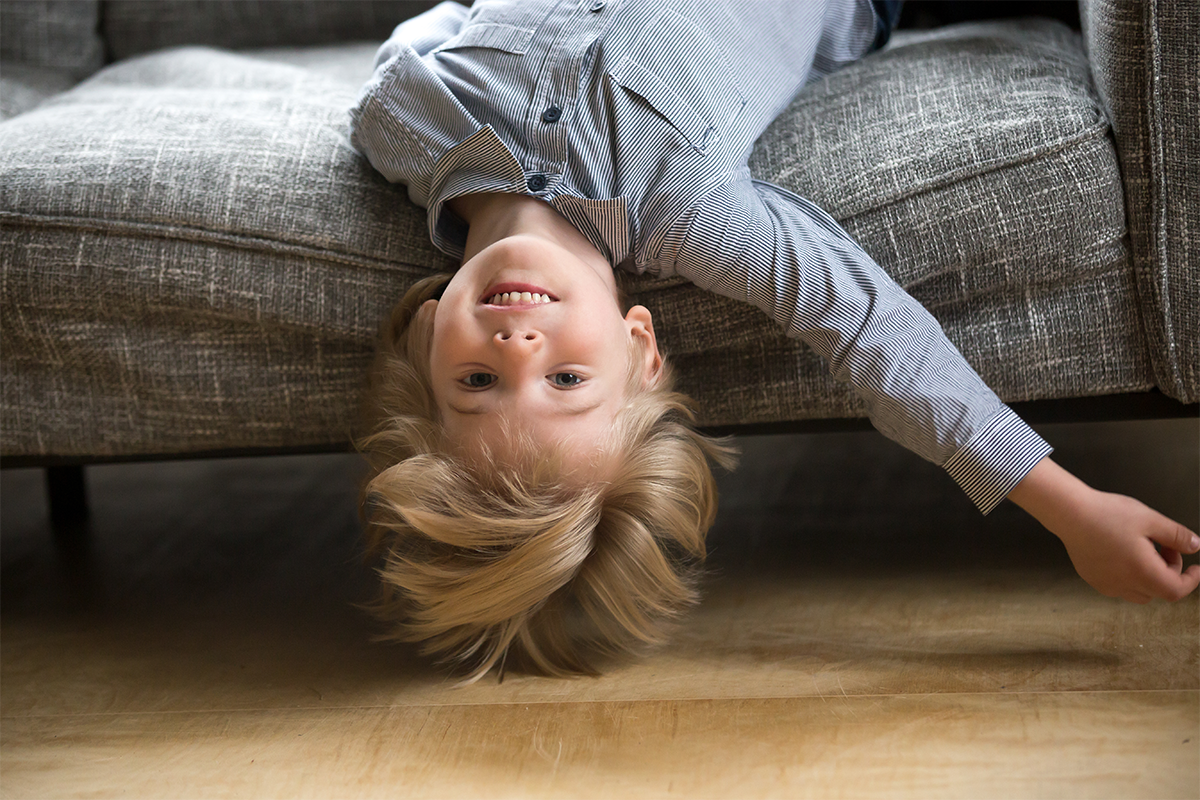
pixel 565 380
pixel 479 380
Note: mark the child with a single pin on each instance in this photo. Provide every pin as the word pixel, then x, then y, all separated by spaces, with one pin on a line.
pixel 538 490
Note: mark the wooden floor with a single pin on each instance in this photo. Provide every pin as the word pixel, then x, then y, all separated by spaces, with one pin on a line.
pixel 865 634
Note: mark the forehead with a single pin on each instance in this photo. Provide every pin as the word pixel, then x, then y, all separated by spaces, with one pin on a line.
pixel 580 446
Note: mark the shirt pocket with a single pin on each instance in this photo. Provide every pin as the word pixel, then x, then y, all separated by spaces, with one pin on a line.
pixel 685 77
pixel 491 36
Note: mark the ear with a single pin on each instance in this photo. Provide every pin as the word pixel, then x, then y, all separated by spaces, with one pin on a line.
pixel 641 327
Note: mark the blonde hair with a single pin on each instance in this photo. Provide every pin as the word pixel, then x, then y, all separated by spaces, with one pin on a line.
pixel 486 562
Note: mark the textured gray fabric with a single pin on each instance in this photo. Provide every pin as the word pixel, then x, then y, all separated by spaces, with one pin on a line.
pixel 344 63
pixel 194 259
pixel 132 27
pixel 983 178
pixel 23 87
pixel 1075 339
pixel 61 34
pixel 1146 58
pixel 948 127
pixel 201 142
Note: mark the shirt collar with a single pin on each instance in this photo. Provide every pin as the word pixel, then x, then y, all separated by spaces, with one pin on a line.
pixel 479 163
pixel 483 163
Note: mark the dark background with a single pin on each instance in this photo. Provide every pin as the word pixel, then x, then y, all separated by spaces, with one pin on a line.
pixel 935 13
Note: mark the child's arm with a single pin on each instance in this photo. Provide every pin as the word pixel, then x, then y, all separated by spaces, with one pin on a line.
pixel 759 243
pixel 1111 538
pixel 764 245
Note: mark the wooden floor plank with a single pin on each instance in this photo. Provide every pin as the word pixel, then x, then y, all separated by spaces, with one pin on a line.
pixel 773 636
pixel 1060 744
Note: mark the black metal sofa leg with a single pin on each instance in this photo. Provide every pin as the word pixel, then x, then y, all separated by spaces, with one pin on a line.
pixel 70 523
pixel 67 492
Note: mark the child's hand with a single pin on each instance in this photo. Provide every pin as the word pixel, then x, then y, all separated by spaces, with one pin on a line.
pixel 1112 547
pixel 1111 538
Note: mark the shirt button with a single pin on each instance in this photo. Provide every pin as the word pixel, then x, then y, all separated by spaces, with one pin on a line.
pixel 597 6
pixel 551 114
pixel 536 183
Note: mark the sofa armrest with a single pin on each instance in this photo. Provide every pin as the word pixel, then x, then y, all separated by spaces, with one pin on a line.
pixel 1144 56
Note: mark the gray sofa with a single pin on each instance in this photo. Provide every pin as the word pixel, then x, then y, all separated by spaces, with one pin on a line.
pixel 195 260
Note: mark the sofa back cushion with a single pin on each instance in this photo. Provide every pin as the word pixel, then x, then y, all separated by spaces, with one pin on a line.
pixel 57 34
pixel 139 26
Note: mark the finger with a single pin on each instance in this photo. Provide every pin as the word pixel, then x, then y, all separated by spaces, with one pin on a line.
pixel 1176 587
pixel 1173 535
pixel 1155 570
pixel 1172 558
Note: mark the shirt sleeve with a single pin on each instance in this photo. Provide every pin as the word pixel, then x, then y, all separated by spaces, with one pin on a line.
pixel 426 31
pixel 758 243
pixel 405 118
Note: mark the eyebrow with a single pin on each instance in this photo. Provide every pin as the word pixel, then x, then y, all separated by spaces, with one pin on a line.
pixel 574 412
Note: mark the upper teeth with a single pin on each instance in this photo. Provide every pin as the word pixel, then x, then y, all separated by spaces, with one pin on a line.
pixel 509 298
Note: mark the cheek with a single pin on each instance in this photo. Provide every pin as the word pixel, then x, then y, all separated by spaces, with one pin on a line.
pixel 610 342
pixel 597 332
pixel 459 444
pixel 450 340
pixel 441 355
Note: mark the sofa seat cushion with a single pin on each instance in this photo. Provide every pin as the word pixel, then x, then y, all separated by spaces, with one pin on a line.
pixel 975 164
pixel 195 259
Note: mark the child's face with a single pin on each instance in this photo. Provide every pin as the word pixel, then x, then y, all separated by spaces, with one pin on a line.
pixel 556 370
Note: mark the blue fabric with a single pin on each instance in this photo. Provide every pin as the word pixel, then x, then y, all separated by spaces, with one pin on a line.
pixel 887 16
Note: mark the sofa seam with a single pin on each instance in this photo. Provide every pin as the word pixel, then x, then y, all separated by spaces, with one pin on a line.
pixel 1096 131
pixel 149 230
pixel 1156 173
pixel 1116 266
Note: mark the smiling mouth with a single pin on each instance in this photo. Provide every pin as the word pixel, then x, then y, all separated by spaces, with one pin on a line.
pixel 516 294
pixel 518 299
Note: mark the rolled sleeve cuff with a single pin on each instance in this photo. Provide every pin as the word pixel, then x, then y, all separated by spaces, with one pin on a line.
pixel 996 458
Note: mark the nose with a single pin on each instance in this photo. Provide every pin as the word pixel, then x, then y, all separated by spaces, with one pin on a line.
pixel 514 339
pixel 517 348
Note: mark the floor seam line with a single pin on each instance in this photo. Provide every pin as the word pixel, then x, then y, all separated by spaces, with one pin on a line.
pixel 590 702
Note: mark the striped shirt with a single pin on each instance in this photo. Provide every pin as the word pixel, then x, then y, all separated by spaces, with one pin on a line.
pixel 635 119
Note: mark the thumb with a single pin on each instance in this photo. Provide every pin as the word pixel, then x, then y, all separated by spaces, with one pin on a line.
pixel 1173 535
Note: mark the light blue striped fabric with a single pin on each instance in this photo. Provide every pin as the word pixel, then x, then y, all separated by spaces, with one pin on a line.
pixel 635 120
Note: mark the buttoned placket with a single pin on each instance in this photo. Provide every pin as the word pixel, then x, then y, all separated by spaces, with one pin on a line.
pixel 572 28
